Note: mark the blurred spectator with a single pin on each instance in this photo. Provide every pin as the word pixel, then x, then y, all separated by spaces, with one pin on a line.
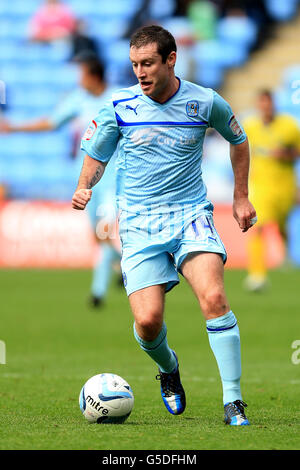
pixel 80 107
pixel 275 145
pixel 140 18
pixel 80 41
pixel 52 21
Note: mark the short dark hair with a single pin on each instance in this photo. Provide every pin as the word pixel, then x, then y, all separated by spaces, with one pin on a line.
pixel 154 34
pixel 93 63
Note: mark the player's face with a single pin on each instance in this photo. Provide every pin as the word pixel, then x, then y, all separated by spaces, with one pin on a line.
pixel 152 74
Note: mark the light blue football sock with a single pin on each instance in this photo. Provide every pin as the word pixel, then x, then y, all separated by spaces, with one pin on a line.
pixel 102 270
pixel 224 340
pixel 159 350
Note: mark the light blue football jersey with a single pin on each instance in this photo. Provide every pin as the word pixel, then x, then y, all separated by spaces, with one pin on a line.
pixel 160 145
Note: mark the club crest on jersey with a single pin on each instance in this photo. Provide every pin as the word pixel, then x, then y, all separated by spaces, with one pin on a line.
pixel 235 127
pixel 192 108
pixel 90 131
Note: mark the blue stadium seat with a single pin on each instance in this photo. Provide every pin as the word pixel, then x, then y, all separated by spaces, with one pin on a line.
pixel 287 100
pixel 240 32
pixel 38 53
pixel 19 8
pixel 7 146
pixel 287 96
pixel 16 145
pixel 104 10
pixel 28 179
pixel 117 9
pixel 107 29
pixel 10 73
pixel 117 61
pixel 31 97
pixel 53 181
pixel 179 26
pixel 51 147
pixel 15 29
pixel 47 146
pixel 216 53
pixel 281 10
pixel 290 75
pixel 160 10
pixel 209 76
pixel 66 78
pixel 9 52
pixel 82 9
pixel 283 99
pixel 61 77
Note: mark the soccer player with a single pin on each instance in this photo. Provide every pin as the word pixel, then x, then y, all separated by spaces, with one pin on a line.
pixel 275 144
pixel 166 224
pixel 80 106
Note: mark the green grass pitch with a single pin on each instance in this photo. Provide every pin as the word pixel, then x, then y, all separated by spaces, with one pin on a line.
pixel 54 343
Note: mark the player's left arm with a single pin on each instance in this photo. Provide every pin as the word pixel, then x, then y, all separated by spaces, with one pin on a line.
pixel 224 121
pixel 243 210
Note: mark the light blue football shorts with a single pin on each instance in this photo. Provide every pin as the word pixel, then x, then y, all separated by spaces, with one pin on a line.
pixel 152 252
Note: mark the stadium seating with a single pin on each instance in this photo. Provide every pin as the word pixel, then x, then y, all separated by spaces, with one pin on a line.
pixel 281 10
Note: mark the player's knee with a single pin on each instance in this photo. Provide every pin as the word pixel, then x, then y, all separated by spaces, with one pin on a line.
pixel 214 303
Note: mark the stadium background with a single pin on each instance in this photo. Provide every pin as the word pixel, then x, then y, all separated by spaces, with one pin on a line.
pixel 234 47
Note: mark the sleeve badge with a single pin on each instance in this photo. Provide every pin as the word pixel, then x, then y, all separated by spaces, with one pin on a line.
pixel 235 126
pixel 90 131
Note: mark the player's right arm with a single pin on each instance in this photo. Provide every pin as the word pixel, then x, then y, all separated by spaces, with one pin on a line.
pixel 91 173
pixel 99 143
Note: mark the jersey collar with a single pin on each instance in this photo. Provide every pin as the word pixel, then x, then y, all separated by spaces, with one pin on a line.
pixel 165 103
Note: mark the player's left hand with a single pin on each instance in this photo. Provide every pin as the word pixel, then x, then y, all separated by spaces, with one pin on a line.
pixel 244 213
